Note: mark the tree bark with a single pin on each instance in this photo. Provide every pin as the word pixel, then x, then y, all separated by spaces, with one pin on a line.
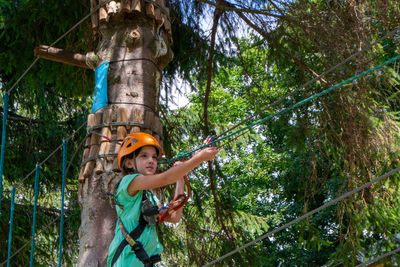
pixel 138 49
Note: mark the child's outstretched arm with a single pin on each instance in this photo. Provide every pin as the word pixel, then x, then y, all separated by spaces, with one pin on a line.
pixel 146 182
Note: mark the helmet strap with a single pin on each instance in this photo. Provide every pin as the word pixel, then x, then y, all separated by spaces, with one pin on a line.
pixel 134 162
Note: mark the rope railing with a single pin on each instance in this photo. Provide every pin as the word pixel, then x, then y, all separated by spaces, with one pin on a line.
pixel 308 214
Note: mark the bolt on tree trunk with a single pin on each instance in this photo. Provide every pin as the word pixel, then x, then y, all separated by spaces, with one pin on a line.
pixel 135 38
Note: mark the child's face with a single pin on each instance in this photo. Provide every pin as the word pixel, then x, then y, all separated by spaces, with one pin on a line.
pixel 146 160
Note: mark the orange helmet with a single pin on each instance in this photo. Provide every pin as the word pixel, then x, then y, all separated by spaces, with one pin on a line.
pixel 135 141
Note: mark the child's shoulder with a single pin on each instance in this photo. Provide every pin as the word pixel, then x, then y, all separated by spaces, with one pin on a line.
pixel 124 182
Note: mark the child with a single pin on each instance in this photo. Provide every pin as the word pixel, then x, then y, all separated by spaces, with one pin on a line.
pixel 135 242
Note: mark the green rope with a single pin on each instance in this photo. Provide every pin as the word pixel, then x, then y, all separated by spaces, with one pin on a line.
pixel 185 155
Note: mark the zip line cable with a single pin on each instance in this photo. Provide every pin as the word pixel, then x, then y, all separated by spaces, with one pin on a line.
pixel 313 80
pixel 56 41
pixel 183 155
pixel 308 214
pixel 390 253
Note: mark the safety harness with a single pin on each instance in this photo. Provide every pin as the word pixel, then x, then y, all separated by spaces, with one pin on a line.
pixel 132 239
pixel 147 215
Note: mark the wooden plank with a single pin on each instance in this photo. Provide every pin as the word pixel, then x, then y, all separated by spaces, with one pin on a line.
pixel 111 8
pixel 167 26
pixel 115 166
pixel 157 16
pixel 103 12
pixel 136 5
pixel 94 150
pixel 96 119
pixel 93 119
pixel 61 55
pixel 125 5
pixel 106 131
pixel 136 116
pixel 122 116
pixel 99 169
pixel 159 12
pixel 157 126
pixel 95 16
pixel 107 118
pixel 81 179
pixel 150 10
pixel 149 121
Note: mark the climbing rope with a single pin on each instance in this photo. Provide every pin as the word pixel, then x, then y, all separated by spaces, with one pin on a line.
pixel 308 214
pixel 184 155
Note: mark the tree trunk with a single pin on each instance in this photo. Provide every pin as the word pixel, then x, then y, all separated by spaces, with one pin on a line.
pixel 136 42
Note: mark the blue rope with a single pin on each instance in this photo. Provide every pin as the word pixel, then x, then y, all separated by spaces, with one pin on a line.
pixel 11 225
pixel 3 143
pixel 34 213
pixel 64 166
pixel 184 155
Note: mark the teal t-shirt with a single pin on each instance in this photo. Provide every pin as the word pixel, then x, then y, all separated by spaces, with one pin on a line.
pixel 130 218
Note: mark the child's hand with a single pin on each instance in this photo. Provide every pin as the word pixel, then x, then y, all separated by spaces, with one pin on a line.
pixel 207 153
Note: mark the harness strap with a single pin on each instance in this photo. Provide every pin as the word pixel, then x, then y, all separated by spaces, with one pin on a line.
pixel 131 239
